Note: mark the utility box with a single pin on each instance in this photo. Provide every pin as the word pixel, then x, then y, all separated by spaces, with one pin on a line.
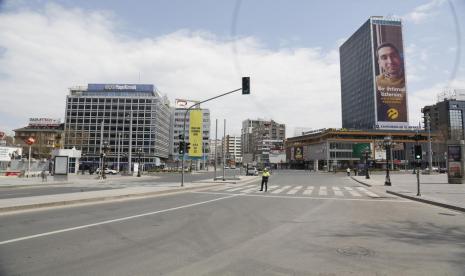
pixel 456 162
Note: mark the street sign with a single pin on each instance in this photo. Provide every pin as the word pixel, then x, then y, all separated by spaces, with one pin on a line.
pixel 30 141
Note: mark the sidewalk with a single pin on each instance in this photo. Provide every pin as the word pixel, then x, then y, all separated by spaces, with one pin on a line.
pixel 33 202
pixel 434 188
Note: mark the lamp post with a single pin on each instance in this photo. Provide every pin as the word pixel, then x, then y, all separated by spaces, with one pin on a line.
pixel 430 150
pixel 367 153
pixel 103 155
pixel 139 153
pixel 387 146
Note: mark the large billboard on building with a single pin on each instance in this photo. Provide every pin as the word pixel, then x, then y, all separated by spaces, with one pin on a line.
pixel 120 87
pixel 389 70
pixel 44 122
pixel 181 103
pixel 299 153
pixel 195 133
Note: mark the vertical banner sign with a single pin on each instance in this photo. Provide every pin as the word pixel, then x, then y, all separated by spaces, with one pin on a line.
pixel 390 84
pixel 195 133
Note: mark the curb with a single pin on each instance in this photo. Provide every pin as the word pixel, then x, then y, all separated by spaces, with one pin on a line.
pixel 363 183
pixel 99 199
pixel 435 203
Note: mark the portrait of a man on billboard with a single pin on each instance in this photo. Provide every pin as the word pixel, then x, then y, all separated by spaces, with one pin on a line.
pixel 391 93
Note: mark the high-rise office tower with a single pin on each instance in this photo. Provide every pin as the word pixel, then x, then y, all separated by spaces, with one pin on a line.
pixel 133 120
pixel 373 84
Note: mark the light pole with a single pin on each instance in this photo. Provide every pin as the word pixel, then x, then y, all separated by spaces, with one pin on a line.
pixel 139 152
pixel 103 155
pixel 430 153
pixel 387 146
pixel 367 153
pixel 119 150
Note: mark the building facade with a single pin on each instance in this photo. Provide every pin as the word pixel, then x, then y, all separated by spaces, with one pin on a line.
pixel 47 133
pixel 373 91
pixel 331 149
pixel 233 149
pixel 177 125
pixel 258 137
pixel 132 120
pixel 446 121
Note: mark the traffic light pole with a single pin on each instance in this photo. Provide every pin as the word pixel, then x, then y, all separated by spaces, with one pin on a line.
pixel 184 128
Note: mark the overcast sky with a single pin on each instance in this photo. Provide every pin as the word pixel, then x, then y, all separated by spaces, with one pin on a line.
pixel 199 49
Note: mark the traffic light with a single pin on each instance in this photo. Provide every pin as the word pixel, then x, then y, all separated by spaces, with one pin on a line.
pixel 188 146
pixel 181 147
pixel 418 153
pixel 245 85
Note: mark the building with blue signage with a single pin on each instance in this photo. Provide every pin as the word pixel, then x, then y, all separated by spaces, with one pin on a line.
pixel 129 123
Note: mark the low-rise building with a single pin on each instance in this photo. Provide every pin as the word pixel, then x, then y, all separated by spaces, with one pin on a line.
pixel 47 134
pixel 329 149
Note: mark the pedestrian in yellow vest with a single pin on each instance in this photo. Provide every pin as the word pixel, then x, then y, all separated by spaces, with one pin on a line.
pixel 265 176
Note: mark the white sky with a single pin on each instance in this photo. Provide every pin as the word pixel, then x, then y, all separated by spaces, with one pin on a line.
pixel 45 50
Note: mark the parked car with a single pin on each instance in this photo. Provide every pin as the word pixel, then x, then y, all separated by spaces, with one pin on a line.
pixel 107 171
pixel 252 171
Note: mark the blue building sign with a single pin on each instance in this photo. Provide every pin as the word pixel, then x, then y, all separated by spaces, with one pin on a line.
pixel 102 87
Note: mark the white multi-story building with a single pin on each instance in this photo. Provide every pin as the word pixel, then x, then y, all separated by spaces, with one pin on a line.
pixel 118 115
pixel 215 148
pixel 233 149
pixel 177 124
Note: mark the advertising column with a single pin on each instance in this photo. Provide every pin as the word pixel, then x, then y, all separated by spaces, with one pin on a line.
pixel 389 74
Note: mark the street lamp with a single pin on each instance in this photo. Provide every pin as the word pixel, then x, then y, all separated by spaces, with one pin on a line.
pixel 387 146
pixel 139 153
pixel 103 155
pixel 367 152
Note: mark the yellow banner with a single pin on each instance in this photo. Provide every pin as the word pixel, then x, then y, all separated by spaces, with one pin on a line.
pixel 195 133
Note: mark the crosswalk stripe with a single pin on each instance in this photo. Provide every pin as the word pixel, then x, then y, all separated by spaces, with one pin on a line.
pixel 337 191
pixel 322 191
pixel 240 188
pixel 308 191
pixel 221 188
pixel 370 193
pixel 281 189
pixel 294 190
pixel 250 190
pixel 352 192
pixel 272 187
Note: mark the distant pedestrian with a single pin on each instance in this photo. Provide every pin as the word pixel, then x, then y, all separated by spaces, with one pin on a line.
pixel 265 176
pixel 43 174
pixel 348 171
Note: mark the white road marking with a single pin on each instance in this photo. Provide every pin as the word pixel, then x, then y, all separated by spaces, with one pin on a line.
pixel 220 188
pixel 240 188
pixel 308 191
pixel 322 191
pixel 352 192
pixel 281 189
pixel 317 198
pixel 370 193
pixel 337 191
pixel 294 190
pixel 253 189
pixel 111 221
pixel 272 187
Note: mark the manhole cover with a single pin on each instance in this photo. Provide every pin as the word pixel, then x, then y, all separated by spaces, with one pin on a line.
pixel 355 251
